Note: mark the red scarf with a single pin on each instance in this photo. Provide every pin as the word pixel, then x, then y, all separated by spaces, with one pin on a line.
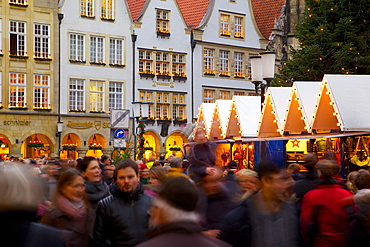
pixel 77 214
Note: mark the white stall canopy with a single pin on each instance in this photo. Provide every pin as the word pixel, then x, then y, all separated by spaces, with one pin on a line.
pixel 205 115
pixel 244 117
pixel 220 118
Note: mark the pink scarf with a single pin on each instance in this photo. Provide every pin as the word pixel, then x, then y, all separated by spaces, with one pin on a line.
pixel 71 210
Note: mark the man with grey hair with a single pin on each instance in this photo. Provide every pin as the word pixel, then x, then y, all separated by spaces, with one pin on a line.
pixel 175 169
pixel 173 219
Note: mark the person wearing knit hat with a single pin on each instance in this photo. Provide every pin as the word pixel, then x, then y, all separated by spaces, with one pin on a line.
pixel 144 174
pixel 173 219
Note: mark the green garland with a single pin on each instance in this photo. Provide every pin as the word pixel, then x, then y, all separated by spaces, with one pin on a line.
pixel 70 148
pixel 36 145
pixel 175 149
pixel 95 148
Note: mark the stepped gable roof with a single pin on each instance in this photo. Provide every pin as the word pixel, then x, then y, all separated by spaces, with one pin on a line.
pixel 193 11
pixel 265 13
pixel 135 7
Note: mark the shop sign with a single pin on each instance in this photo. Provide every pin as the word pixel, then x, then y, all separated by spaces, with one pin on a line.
pixel 87 125
pixel 17 122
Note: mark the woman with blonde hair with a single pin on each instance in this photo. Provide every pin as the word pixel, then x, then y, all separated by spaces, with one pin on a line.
pixel 248 182
pixel 70 210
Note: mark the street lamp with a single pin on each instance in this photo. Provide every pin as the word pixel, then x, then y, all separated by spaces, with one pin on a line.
pixel 140 113
pixel 263 69
pixel 59 135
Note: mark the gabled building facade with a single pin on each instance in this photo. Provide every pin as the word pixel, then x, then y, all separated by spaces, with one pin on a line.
pixel 95 72
pixel 28 78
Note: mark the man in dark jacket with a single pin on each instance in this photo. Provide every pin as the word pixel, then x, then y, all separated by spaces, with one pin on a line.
pixel 173 219
pixel 122 218
pixel 265 218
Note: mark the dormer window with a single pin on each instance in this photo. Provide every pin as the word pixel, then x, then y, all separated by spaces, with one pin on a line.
pixel 163 22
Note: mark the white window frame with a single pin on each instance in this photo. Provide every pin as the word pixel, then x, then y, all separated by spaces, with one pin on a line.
pixel 41 40
pixel 178 65
pixel 116 93
pixel 97 49
pixel 162 108
pixel 162 21
pixel 208 60
pixel 96 96
pixel 238 27
pixel 20 37
pixel 20 2
pixel 107 9
pixel 225 24
pixel 18 86
pixel 146 62
pixel 209 95
pixel 178 106
pixel 116 48
pixel 87 8
pixel 162 63
pixel 78 92
pixel 225 94
pixel 76 47
pixel 239 64
pixel 44 91
pixel 224 68
pixel 147 96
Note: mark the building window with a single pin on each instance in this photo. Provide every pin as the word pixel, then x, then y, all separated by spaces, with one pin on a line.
pixel 145 62
pixel 42 41
pixel 224 94
pixel 77 48
pixel 115 95
pixel 1 89
pixel 17 38
pixel 225 25
pixel 20 2
pixel 224 63
pixel 107 10
pixel 1 36
pixel 148 97
pixel 178 106
pixel 238 27
pixel 162 106
pixel 239 64
pixel 162 63
pixel 116 51
pixel 209 96
pixel 17 90
pixel 232 25
pixel 96 96
pixel 76 94
pixel 41 91
pixel 97 50
pixel 87 8
pixel 163 25
pixel 209 62
pixel 178 65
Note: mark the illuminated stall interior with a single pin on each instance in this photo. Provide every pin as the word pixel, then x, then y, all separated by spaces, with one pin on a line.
pixel 174 144
pixel 95 146
pixel 36 145
pixel 69 146
pixel 150 145
pixel 4 148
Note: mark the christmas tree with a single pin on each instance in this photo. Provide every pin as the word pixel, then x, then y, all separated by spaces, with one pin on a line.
pixel 334 38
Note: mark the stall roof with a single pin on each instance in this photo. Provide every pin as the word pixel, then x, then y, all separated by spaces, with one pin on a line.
pixel 244 116
pixel 220 118
pixel 273 112
pixel 206 114
pixel 343 104
pixel 301 106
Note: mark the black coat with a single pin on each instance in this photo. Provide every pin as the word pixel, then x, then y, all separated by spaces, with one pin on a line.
pixel 180 234
pixel 122 219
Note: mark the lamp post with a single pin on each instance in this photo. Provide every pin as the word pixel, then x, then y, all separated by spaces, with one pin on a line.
pixel 59 134
pixel 263 69
pixel 140 113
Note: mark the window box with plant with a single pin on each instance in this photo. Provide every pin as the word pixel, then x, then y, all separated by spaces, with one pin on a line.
pixel 163 76
pixel 43 58
pixel 20 4
pixel 103 18
pixel 76 61
pixel 164 120
pixel 18 56
pixel 150 121
pixel 117 65
pixel 179 121
pixel 97 111
pixel 162 33
pixel 18 108
pixel 175 149
pixel 72 110
pixel 211 73
pixel 147 74
pixel 42 109
pixel 97 63
pixel 88 17
pixel 179 77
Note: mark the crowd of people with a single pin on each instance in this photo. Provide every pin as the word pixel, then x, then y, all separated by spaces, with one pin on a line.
pixel 176 202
